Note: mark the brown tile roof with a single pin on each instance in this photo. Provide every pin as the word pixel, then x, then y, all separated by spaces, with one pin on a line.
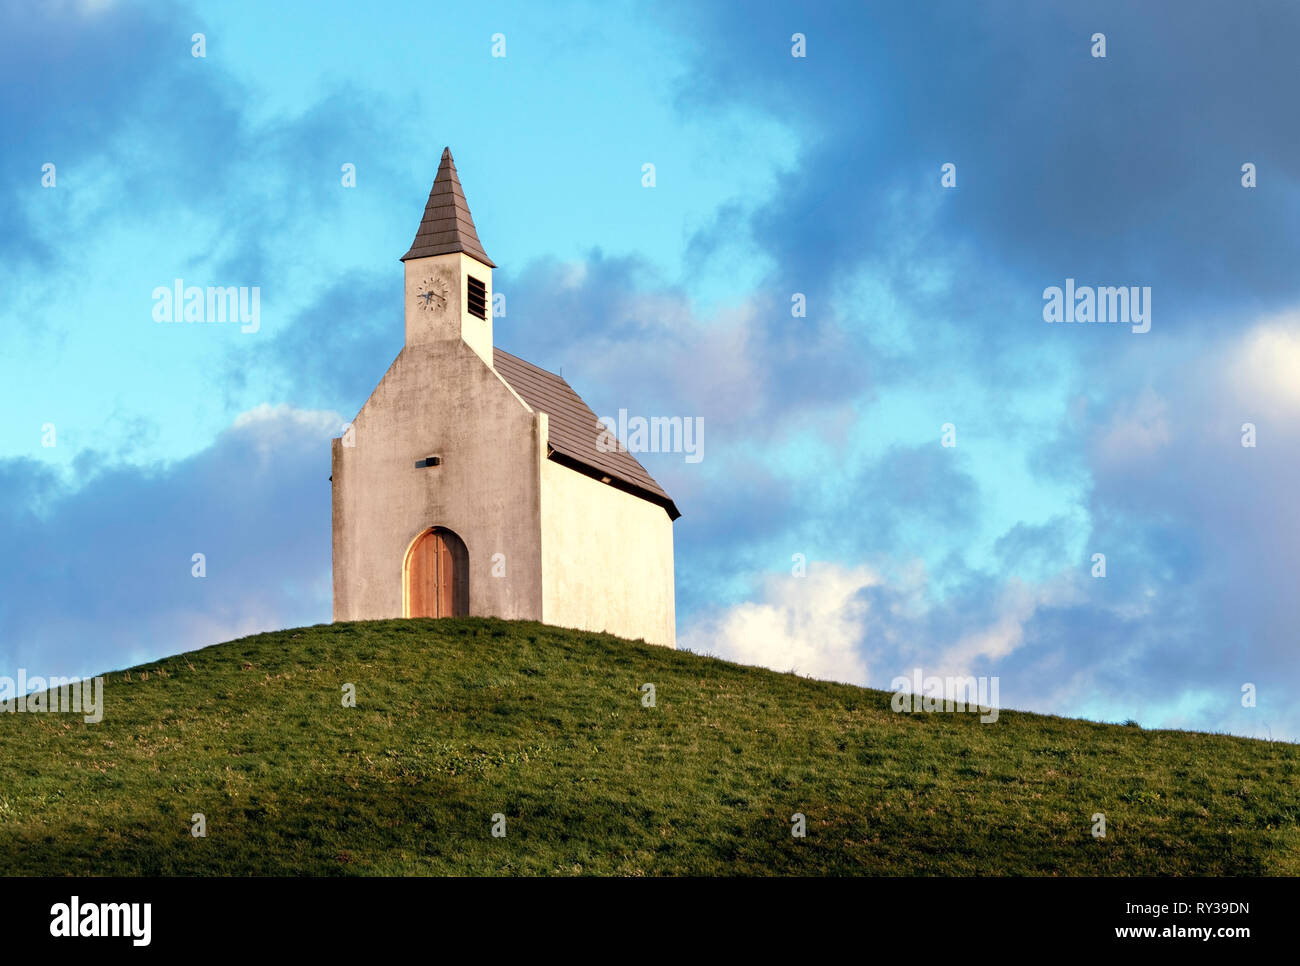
pixel 447 225
pixel 574 430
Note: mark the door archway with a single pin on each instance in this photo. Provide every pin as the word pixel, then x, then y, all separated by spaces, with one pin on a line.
pixel 435 575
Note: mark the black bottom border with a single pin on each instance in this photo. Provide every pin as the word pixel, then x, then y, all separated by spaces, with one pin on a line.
pixel 990 915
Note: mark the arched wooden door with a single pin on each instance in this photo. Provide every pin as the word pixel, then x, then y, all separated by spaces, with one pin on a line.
pixel 437 575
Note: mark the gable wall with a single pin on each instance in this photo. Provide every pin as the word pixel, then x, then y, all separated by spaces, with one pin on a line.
pixel 441 399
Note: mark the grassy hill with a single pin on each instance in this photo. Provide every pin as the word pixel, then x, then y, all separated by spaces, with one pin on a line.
pixel 457 720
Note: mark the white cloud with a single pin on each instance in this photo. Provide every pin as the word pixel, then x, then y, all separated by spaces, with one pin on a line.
pixel 272 428
pixel 1265 368
pixel 1005 633
pixel 282 417
pixel 814 625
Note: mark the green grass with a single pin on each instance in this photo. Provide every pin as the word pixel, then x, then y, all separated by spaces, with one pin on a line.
pixel 459 719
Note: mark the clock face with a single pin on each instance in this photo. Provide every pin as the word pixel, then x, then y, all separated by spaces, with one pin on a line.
pixel 432 293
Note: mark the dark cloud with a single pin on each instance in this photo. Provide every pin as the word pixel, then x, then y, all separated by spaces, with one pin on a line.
pixel 332 354
pixel 1117 171
pixel 100 575
pixel 146 137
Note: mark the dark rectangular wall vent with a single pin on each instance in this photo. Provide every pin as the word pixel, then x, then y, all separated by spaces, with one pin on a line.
pixel 477 297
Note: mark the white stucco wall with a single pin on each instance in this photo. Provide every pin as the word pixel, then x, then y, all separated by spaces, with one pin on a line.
pixel 439 398
pixel 607 559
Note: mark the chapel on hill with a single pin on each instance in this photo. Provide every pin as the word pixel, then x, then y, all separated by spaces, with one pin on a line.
pixel 475 483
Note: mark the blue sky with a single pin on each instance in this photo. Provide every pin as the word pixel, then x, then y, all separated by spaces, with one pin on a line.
pixel 775 175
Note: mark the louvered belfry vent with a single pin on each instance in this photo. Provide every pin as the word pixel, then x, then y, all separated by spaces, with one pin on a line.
pixel 477 297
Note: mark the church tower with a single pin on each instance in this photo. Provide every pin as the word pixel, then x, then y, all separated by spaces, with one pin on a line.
pixel 448 275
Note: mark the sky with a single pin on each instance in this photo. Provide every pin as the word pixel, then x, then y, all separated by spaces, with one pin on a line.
pixel 915 471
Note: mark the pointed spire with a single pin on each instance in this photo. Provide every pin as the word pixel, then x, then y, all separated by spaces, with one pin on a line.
pixel 447 225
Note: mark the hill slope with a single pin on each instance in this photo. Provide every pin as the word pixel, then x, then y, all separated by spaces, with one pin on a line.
pixel 457 720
